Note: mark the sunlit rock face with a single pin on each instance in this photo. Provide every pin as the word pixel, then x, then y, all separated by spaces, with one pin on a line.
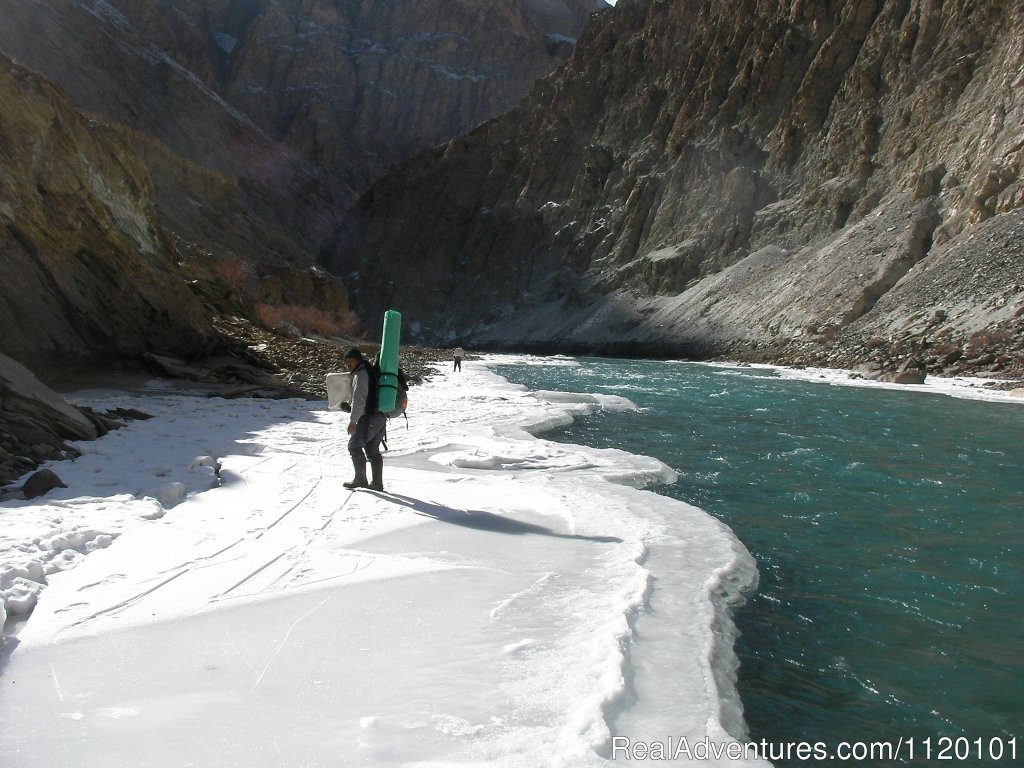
pixel 87 272
pixel 777 179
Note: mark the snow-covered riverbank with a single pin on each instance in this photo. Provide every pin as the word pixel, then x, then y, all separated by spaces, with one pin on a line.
pixel 209 594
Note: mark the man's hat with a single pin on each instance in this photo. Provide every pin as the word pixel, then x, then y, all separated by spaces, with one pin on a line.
pixel 354 352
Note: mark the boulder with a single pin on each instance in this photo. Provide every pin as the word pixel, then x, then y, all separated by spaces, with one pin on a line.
pixel 34 421
pixel 34 413
pixel 41 483
pixel 912 376
pixel 910 372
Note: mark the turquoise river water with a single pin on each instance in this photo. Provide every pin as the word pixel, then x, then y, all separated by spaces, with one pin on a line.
pixel 888 529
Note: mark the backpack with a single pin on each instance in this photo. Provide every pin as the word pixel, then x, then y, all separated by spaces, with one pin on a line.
pixel 401 399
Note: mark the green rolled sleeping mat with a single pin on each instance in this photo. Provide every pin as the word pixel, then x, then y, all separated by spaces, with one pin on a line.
pixel 387 384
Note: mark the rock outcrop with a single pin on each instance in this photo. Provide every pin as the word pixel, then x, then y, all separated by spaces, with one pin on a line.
pixel 87 272
pixel 35 421
pixel 773 180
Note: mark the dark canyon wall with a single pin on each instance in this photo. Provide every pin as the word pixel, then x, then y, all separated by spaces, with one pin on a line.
pixel 744 176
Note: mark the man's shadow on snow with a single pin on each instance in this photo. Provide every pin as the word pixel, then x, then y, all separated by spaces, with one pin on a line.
pixel 488 521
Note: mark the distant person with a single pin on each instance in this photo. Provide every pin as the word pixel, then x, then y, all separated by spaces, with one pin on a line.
pixel 366 424
pixel 459 354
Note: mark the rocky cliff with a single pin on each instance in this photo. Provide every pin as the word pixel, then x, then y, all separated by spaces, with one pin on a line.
pixel 87 272
pixel 258 121
pixel 356 86
pixel 302 103
pixel 775 179
pixel 262 190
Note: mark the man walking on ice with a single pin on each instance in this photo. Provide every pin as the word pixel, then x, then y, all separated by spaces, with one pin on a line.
pixel 366 424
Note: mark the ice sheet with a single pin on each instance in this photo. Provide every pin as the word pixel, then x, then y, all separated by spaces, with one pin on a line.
pixel 226 602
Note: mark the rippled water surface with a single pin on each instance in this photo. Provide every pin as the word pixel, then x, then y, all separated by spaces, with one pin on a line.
pixel 888 532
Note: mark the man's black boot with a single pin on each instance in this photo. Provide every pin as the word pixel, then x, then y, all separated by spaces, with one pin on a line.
pixel 359 479
pixel 377 473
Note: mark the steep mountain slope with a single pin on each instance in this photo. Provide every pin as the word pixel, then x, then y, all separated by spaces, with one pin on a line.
pixel 87 273
pixel 111 68
pixel 762 178
pixel 356 86
pixel 257 120
pixel 306 101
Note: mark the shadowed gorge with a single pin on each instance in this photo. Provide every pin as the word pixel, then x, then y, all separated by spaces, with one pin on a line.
pixel 246 128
